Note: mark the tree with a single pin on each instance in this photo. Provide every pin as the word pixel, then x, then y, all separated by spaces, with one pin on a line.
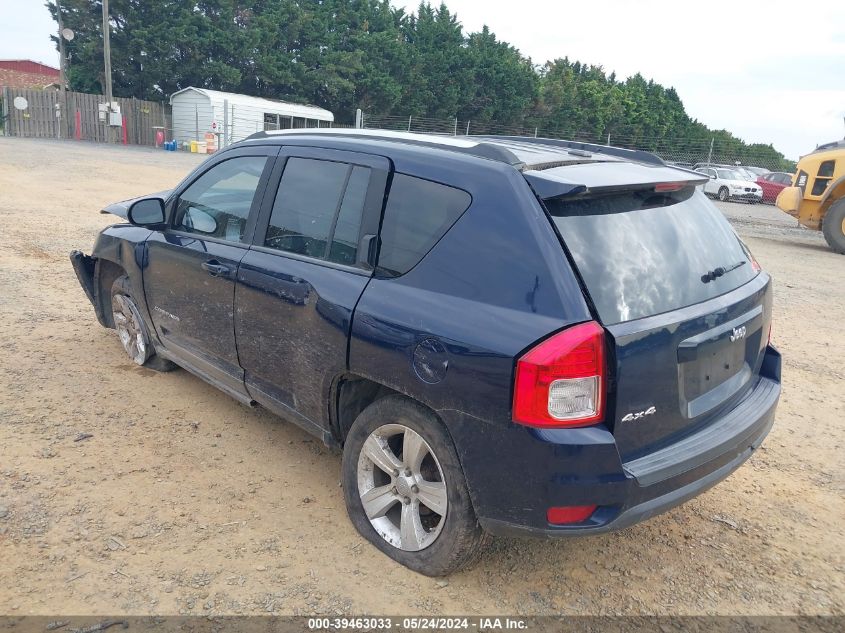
pixel 503 87
pixel 438 78
pixel 348 54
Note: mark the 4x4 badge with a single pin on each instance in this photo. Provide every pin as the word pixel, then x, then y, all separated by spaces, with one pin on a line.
pixel 639 414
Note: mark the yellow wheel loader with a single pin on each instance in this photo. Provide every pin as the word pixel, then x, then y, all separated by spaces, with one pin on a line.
pixel 817 195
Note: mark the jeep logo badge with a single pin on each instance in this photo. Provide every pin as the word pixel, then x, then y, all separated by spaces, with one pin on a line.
pixel 738 333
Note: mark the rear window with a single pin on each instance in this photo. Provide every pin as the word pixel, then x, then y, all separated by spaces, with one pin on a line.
pixel 642 254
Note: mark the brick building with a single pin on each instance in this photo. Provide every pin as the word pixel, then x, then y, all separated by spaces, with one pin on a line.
pixel 24 73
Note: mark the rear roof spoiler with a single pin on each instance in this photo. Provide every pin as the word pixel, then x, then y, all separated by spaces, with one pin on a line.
pixel 547 189
pixel 550 184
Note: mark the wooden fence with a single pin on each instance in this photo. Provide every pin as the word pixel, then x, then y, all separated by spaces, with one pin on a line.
pixel 80 117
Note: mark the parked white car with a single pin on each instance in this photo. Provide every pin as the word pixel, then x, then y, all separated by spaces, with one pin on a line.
pixel 727 184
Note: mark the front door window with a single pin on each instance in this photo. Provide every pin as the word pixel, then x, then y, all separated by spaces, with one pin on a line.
pixel 217 204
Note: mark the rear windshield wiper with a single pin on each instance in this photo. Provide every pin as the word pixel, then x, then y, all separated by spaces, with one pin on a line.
pixel 718 272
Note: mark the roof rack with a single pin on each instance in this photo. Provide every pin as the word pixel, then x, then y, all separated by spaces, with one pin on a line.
pixel 577 146
pixel 462 145
pixel 522 152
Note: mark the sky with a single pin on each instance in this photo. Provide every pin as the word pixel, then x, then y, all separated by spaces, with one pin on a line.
pixel 767 71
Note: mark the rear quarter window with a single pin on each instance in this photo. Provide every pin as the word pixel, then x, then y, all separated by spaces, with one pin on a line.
pixel 418 213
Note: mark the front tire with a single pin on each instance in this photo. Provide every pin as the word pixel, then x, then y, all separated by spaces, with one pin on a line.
pixel 131 329
pixel 405 490
pixel 724 194
pixel 833 226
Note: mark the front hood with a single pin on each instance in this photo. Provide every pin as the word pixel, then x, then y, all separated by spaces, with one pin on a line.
pixel 740 183
pixel 121 209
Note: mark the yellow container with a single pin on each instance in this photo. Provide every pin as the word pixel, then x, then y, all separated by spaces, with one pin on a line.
pixel 194 147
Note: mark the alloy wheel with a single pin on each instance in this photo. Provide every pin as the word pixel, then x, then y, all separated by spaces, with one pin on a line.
pixel 402 487
pixel 127 322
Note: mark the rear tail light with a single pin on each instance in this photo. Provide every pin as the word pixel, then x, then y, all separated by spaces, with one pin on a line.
pixel 561 381
pixel 569 514
pixel 755 265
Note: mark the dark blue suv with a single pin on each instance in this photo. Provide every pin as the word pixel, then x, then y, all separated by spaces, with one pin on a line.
pixel 504 335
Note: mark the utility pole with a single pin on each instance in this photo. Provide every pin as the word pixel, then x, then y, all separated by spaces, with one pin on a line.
pixel 710 155
pixel 62 78
pixel 107 68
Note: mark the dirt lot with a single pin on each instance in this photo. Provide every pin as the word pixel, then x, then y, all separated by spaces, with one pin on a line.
pixel 184 501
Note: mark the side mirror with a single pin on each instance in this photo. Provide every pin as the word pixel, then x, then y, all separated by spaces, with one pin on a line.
pixel 712 177
pixel 199 220
pixel 147 212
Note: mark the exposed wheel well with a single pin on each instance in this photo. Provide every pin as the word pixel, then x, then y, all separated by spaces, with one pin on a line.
pixel 354 394
pixel 106 274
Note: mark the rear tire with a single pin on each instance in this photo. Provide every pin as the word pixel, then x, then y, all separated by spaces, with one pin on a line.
pixel 833 226
pixel 430 528
pixel 131 329
pixel 724 194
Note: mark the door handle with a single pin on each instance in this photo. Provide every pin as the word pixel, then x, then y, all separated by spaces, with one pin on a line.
pixel 215 268
pixel 369 246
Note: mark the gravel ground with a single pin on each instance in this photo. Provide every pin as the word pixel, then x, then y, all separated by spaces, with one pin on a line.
pixel 184 501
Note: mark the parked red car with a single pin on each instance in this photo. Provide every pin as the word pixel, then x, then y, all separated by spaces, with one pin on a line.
pixel 773 183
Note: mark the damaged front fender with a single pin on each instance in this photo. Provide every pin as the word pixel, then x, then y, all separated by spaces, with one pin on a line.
pixel 85 267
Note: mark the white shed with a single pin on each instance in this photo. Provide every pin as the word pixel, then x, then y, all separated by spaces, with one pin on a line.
pixel 235 116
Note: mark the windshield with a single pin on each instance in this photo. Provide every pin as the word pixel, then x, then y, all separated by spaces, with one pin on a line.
pixel 730 174
pixel 642 253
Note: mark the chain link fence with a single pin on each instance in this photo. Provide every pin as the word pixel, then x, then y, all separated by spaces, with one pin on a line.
pixel 682 152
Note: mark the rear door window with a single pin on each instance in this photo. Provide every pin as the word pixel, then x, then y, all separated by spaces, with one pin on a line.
pixel 317 210
pixel 642 254
pixel 417 215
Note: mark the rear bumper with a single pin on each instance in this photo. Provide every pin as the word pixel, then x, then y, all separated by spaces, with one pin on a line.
pixel 85 267
pixel 570 467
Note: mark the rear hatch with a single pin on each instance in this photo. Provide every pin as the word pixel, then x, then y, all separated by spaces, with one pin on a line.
pixel 683 301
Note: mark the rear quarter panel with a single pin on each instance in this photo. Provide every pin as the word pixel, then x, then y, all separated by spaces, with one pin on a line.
pixel 497 282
